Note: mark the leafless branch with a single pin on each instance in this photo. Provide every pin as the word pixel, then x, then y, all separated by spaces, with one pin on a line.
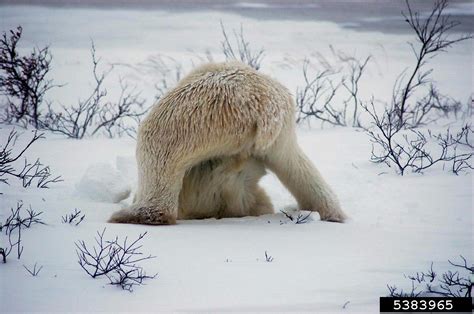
pixel 240 49
pixel 302 219
pixel 287 215
pixel 357 68
pixel 73 218
pixel 268 258
pixel 35 271
pixel 30 172
pixel 299 219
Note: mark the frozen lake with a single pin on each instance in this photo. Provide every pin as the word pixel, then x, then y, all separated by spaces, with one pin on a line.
pixel 372 15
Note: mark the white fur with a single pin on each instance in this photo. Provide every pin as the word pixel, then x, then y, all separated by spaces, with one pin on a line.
pixel 203 147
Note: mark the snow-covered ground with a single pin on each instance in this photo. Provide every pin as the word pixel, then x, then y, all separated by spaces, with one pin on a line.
pixel 398 225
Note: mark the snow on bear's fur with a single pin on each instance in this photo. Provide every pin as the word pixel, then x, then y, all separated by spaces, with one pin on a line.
pixel 205 145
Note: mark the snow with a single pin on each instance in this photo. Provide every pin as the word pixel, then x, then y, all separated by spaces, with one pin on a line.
pixel 398 225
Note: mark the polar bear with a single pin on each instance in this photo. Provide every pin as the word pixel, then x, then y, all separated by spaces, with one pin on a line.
pixel 204 146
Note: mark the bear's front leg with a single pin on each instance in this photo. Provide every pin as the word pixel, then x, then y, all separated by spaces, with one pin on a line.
pixel 147 214
pixel 156 201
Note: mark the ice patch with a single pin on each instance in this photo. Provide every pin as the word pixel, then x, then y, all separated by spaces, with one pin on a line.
pixel 101 182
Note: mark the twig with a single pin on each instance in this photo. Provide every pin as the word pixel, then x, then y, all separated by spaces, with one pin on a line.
pixel 34 272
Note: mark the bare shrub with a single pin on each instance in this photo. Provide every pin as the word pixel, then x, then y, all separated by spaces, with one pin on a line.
pixel 74 218
pixel 39 173
pixel 432 34
pixel 23 79
pixel 117 260
pixel 316 99
pixel 300 217
pixel 14 220
pixel 166 72
pixel 95 114
pixel 410 150
pixel 452 283
pixel 453 142
pixel 13 226
pixel 30 173
pixel 391 144
pixel 24 82
pixel 239 48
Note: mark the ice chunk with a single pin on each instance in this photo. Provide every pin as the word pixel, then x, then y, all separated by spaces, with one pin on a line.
pixel 101 182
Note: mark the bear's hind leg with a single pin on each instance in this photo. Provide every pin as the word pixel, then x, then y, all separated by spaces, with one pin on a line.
pixel 302 179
